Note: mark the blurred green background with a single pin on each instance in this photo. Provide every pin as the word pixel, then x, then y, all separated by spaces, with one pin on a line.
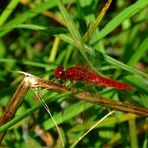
pixel 36 36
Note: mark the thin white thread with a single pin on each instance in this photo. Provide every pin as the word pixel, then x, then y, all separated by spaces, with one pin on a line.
pixel 47 109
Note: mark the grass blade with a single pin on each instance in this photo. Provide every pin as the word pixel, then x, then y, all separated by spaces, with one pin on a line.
pixel 125 14
pixel 95 24
pixel 26 15
pixel 7 12
pixel 139 53
pixel 73 30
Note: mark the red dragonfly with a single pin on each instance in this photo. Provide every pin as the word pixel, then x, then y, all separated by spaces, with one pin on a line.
pixel 78 73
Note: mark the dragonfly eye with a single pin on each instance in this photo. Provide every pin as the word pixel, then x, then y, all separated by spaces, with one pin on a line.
pixel 59 72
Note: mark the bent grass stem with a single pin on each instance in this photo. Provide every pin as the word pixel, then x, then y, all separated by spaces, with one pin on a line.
pixel 31 81
pixel 14 103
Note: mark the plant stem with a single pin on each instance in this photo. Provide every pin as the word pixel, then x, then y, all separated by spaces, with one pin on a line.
pixel 13 105
pixel 95 99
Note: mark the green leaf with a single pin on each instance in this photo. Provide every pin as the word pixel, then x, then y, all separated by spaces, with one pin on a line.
pixel 72 29
pixel 68 113
pixel 7 12
pixel 27 15
pixel 139 53
pixel 122 16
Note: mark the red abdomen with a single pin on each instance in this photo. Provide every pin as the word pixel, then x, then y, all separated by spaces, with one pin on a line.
pixel 99 80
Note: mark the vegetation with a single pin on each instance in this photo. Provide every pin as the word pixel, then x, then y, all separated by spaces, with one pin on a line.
pixel 37 36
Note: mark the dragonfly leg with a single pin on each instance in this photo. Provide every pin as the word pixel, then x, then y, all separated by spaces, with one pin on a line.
pixel 72 87
pixel 53 80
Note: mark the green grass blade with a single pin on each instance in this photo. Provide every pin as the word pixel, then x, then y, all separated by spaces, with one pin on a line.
pixel 133 133
pixel 70 112
pixel 7 12
pixel 69 39
pixel 72 29
pixel 124 66
pixel 69 22
pixel 27 15
pixel 125 14
pixel 31 27
pixel 139 53
pixel 94 25
pixel 27 62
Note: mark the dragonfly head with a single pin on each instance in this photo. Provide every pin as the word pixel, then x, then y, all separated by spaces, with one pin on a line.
pixel 59 72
